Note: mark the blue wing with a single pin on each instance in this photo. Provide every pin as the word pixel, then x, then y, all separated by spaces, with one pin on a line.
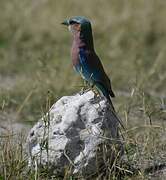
pixel 92 70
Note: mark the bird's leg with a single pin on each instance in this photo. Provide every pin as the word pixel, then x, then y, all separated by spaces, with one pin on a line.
pixel 96 93
pixel 83 89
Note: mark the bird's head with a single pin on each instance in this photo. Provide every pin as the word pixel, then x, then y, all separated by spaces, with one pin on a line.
pixel 82 26
pixel 78 24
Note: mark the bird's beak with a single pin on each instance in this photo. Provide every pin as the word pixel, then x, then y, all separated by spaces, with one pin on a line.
pixel 66 23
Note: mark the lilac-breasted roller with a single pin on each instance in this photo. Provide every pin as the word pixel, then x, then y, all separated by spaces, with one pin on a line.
pixel 84 58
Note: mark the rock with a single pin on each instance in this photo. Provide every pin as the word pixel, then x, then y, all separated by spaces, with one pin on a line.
pixel 79 131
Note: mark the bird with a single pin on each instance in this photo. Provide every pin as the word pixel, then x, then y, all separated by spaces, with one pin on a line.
pixel 84 58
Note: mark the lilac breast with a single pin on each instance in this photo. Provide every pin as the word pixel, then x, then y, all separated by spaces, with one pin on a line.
pixel 76 45
pixel 75 55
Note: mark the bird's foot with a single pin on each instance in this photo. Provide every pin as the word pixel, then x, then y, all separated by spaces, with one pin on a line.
pixel 96 93
pixel 96 97
pixel 83 90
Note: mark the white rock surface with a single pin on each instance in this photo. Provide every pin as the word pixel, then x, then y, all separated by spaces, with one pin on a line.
pixel 71 134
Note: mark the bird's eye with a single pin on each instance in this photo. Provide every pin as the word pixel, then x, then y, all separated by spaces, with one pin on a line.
pixel 72 22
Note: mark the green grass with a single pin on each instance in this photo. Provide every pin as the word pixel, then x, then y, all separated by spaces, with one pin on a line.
pixel 129 38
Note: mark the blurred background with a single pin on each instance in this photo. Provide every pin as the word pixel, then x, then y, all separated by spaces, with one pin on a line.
pixel 129 38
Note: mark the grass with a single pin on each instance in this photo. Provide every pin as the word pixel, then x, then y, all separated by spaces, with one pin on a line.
pixel 130 39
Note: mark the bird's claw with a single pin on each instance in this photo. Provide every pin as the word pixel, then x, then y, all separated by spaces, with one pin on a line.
pixel 83 90
pixel 96 94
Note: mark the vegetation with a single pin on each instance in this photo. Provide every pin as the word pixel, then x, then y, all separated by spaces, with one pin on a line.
pixel 130 39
